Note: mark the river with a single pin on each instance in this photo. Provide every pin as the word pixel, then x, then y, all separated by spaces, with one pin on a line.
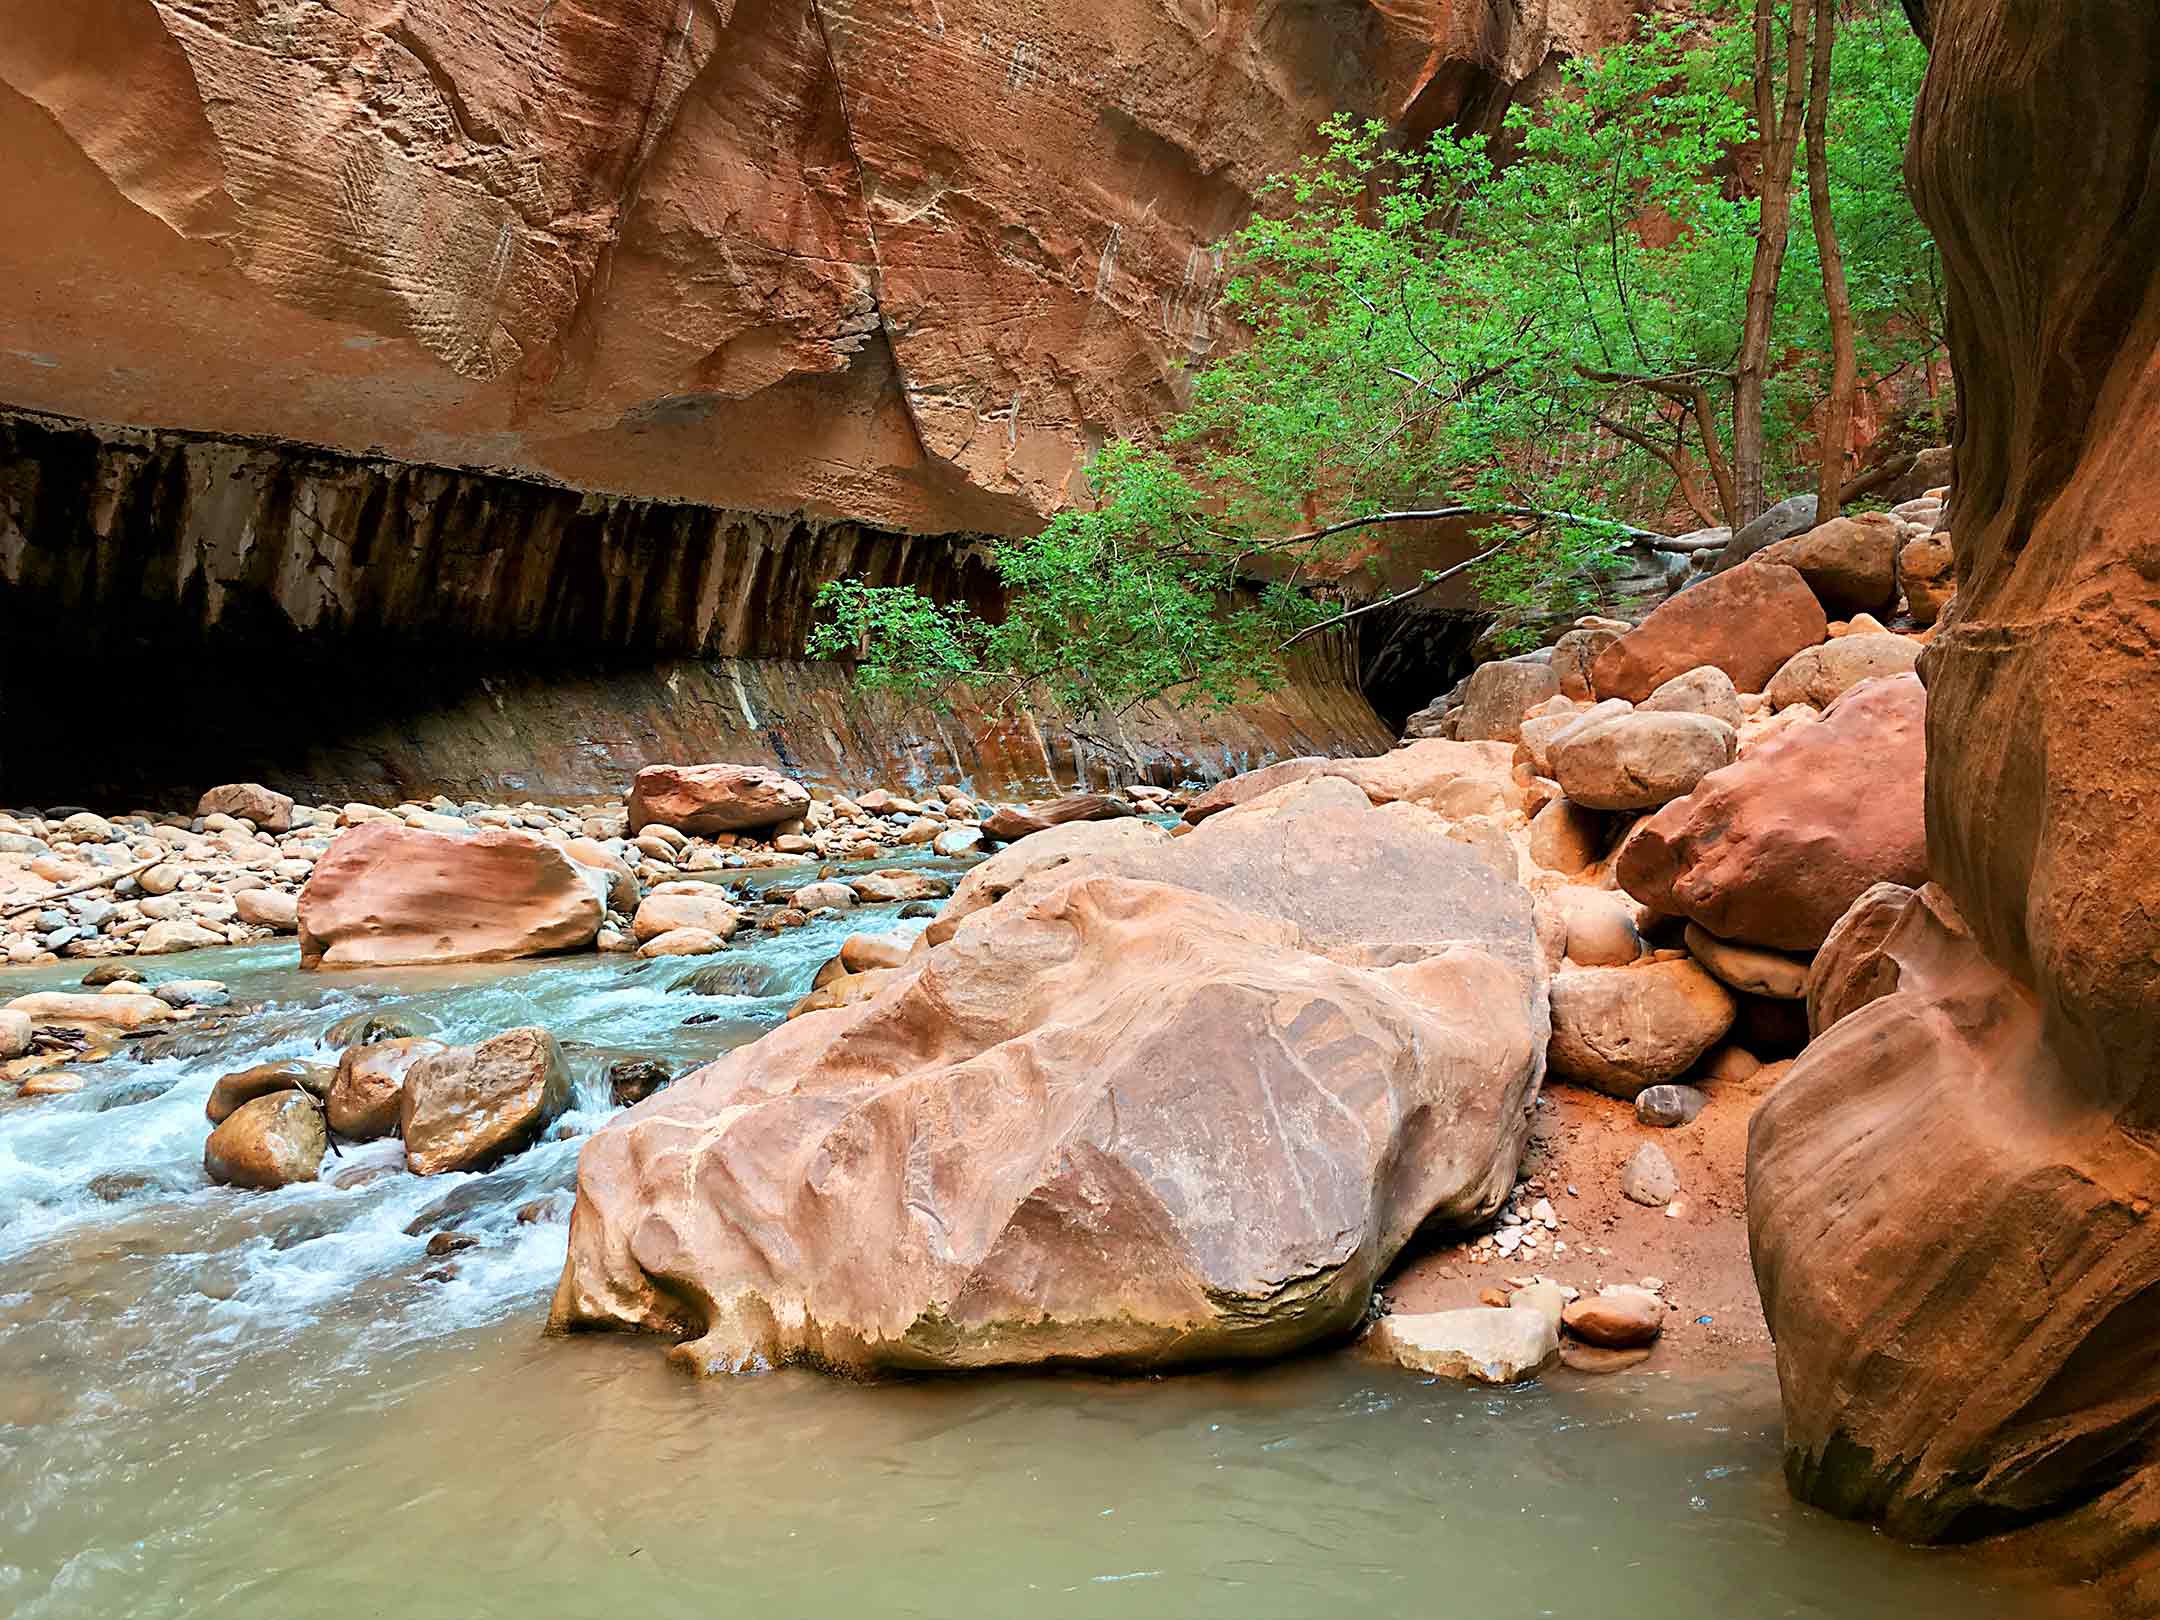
pixel 279 1405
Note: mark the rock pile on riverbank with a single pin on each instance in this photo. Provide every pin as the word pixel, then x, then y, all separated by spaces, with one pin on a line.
pixel 77 885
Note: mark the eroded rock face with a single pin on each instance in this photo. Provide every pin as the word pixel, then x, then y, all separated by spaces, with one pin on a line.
pixel 386 894
pixel 1964 1304
pixel 1772 849
pixel 888 261
pixel 1122 1116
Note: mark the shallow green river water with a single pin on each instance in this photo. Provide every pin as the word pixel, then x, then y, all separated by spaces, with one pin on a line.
pixel 260 1405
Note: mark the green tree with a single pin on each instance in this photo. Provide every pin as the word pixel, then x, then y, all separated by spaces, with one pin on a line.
pixel 1548 335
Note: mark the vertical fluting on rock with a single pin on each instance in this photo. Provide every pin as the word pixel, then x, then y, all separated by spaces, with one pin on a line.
pixel 1951 1198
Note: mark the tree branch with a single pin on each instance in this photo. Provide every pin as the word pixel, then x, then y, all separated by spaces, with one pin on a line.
pixel 1419 589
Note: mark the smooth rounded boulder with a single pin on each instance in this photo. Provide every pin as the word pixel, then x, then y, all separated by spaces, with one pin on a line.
pixel 1117 1119
pixel 465 1107
pixel 1821 675
pixel 685 905
pixel 1773 849
pixel 369 1089
pixel 1850 563
pixel 1640 760
pixel 1748 968
pixel 269 908
pixel 1499 694
pixel 1747 622
pixel 271 1142
pixel 707 799
pixel 1707 690
pixel 387 895
pixel 270 811
pixel 1621 1030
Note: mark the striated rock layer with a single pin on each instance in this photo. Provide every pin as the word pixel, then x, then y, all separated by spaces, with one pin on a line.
pixel 1951 1199
pixel 902 262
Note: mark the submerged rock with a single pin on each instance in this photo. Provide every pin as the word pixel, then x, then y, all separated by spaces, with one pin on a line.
pixel 635 1079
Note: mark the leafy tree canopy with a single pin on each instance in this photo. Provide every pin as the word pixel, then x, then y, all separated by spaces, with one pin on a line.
pixel 1536 331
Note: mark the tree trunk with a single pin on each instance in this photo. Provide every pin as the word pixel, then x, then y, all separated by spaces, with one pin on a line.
pixel 1837 412
pixel 1779 129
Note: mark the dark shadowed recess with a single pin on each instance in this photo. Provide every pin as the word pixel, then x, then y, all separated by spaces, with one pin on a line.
pixel 178 610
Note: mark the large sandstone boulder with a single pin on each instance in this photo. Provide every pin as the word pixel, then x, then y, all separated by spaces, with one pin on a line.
pixel 1640 760
pixel 1951 1197
pixel 1450 778
pixel 250 801
pixel 1622 1029
pixel 465 1107
pixel 385 895
pixel 1772 849
pixel 1500 693
pixel 1746 622
pixel 1137 1120
pixel 1819 676
pixel 270 1142
pixel 1850 562
pixel 708 799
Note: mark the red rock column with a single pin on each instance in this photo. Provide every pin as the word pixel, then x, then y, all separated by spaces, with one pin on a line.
pixel 1951 1198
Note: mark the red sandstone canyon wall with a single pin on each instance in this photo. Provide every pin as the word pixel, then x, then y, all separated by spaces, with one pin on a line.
pixel 899 262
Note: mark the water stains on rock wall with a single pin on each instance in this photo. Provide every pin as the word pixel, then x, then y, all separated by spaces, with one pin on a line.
pixel 178 610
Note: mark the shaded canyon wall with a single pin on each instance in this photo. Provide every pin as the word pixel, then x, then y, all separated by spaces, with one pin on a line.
pixel 1952 1199
pixel 178 610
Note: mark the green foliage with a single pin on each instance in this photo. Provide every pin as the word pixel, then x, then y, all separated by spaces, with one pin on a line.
pixel 1540 326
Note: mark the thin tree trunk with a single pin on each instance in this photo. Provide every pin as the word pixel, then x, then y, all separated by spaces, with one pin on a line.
pixel 1837 300
pixel 1780 133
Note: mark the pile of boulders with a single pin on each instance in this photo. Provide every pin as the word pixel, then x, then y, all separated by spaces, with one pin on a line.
pixel 507 880
pixel 1711 790
pixel 454 1107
